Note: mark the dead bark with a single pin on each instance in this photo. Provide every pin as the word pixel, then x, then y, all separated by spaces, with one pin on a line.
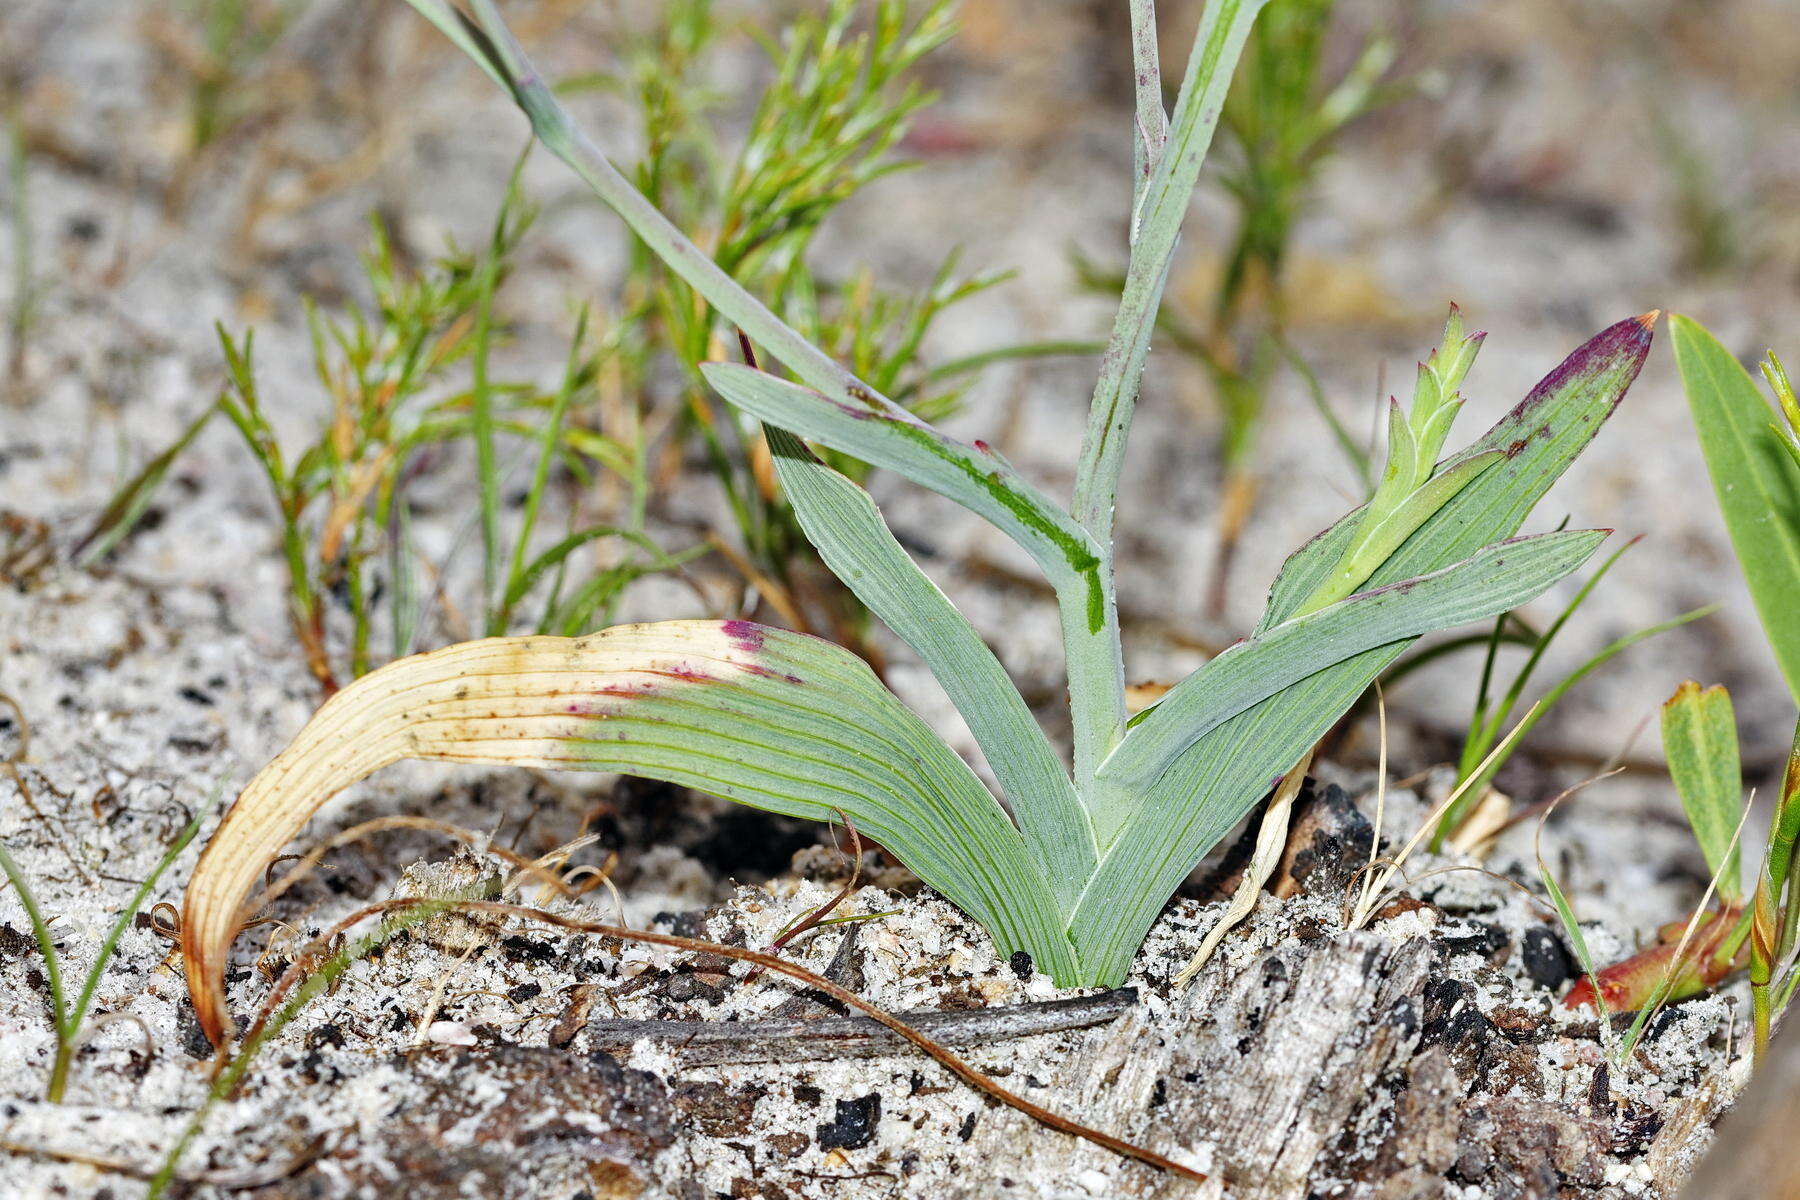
pixel 1259 1079
pixel 713 1043
pixel 1756 1155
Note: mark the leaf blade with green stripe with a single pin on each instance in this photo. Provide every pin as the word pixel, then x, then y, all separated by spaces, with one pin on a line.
pixel 1756 479
pixel 1699 738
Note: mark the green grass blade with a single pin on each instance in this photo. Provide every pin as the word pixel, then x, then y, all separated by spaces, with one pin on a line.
pixel 1455 813
pixel 78 1013
pixel 487 468
pixel 1485 727
pixel 971 363
pixel 549 440
pixel 1490 582
pixel 46 941
pixel 409 609
pixel 842 521
pixel 126 508
pixel 1565 916
pixel 1699 738
pixel 1355 453
pixel 1756 479
pixel 528 574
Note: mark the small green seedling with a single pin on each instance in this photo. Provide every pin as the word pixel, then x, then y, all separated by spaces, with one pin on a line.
pixel 395 405
pixel 1699 736
pixel 68 1016
pixel 1076 861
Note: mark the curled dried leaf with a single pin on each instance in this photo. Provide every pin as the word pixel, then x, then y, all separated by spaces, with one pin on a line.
pixel 773 719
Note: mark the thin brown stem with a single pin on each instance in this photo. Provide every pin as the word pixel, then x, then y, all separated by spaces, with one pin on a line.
pixel 940 1053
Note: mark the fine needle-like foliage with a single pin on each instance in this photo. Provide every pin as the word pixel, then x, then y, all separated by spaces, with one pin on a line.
pixel 1072 862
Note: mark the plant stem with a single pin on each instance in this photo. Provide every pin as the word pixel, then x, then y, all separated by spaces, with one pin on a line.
pixel 486 468
pixel 1774 907
pixel 1151 131
pixel 1224 27
pixel 59 1069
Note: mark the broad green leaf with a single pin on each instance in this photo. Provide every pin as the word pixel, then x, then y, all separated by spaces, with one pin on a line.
pixel 1374 545
pixel 1699 737
pixel 1756 479
pixel 1218 779
pixel 841 520
pixel 985 483
pixel 1495 579
pixel 1540 438
pixel 776 720
pixel 974 476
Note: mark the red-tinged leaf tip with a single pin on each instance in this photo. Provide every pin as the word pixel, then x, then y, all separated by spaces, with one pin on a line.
pixel 1648 320
pixel 1621 347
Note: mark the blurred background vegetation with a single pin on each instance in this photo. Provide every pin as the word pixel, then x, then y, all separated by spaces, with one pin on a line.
pixel 467 411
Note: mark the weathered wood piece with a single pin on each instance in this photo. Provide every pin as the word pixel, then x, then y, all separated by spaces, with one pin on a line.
pixel 713 1043
pixel 1259 1079
pixel 1756 1155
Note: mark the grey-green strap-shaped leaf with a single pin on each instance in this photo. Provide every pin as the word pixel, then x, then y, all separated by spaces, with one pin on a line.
pixel 1756 479
pixel 842 522
pixel 1699 738
pixel 776 720
pixel 983 482
pixel 1492 581
pixel 1540 437
pixel 1198 801
pixel 975 478
pixel 1211 786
